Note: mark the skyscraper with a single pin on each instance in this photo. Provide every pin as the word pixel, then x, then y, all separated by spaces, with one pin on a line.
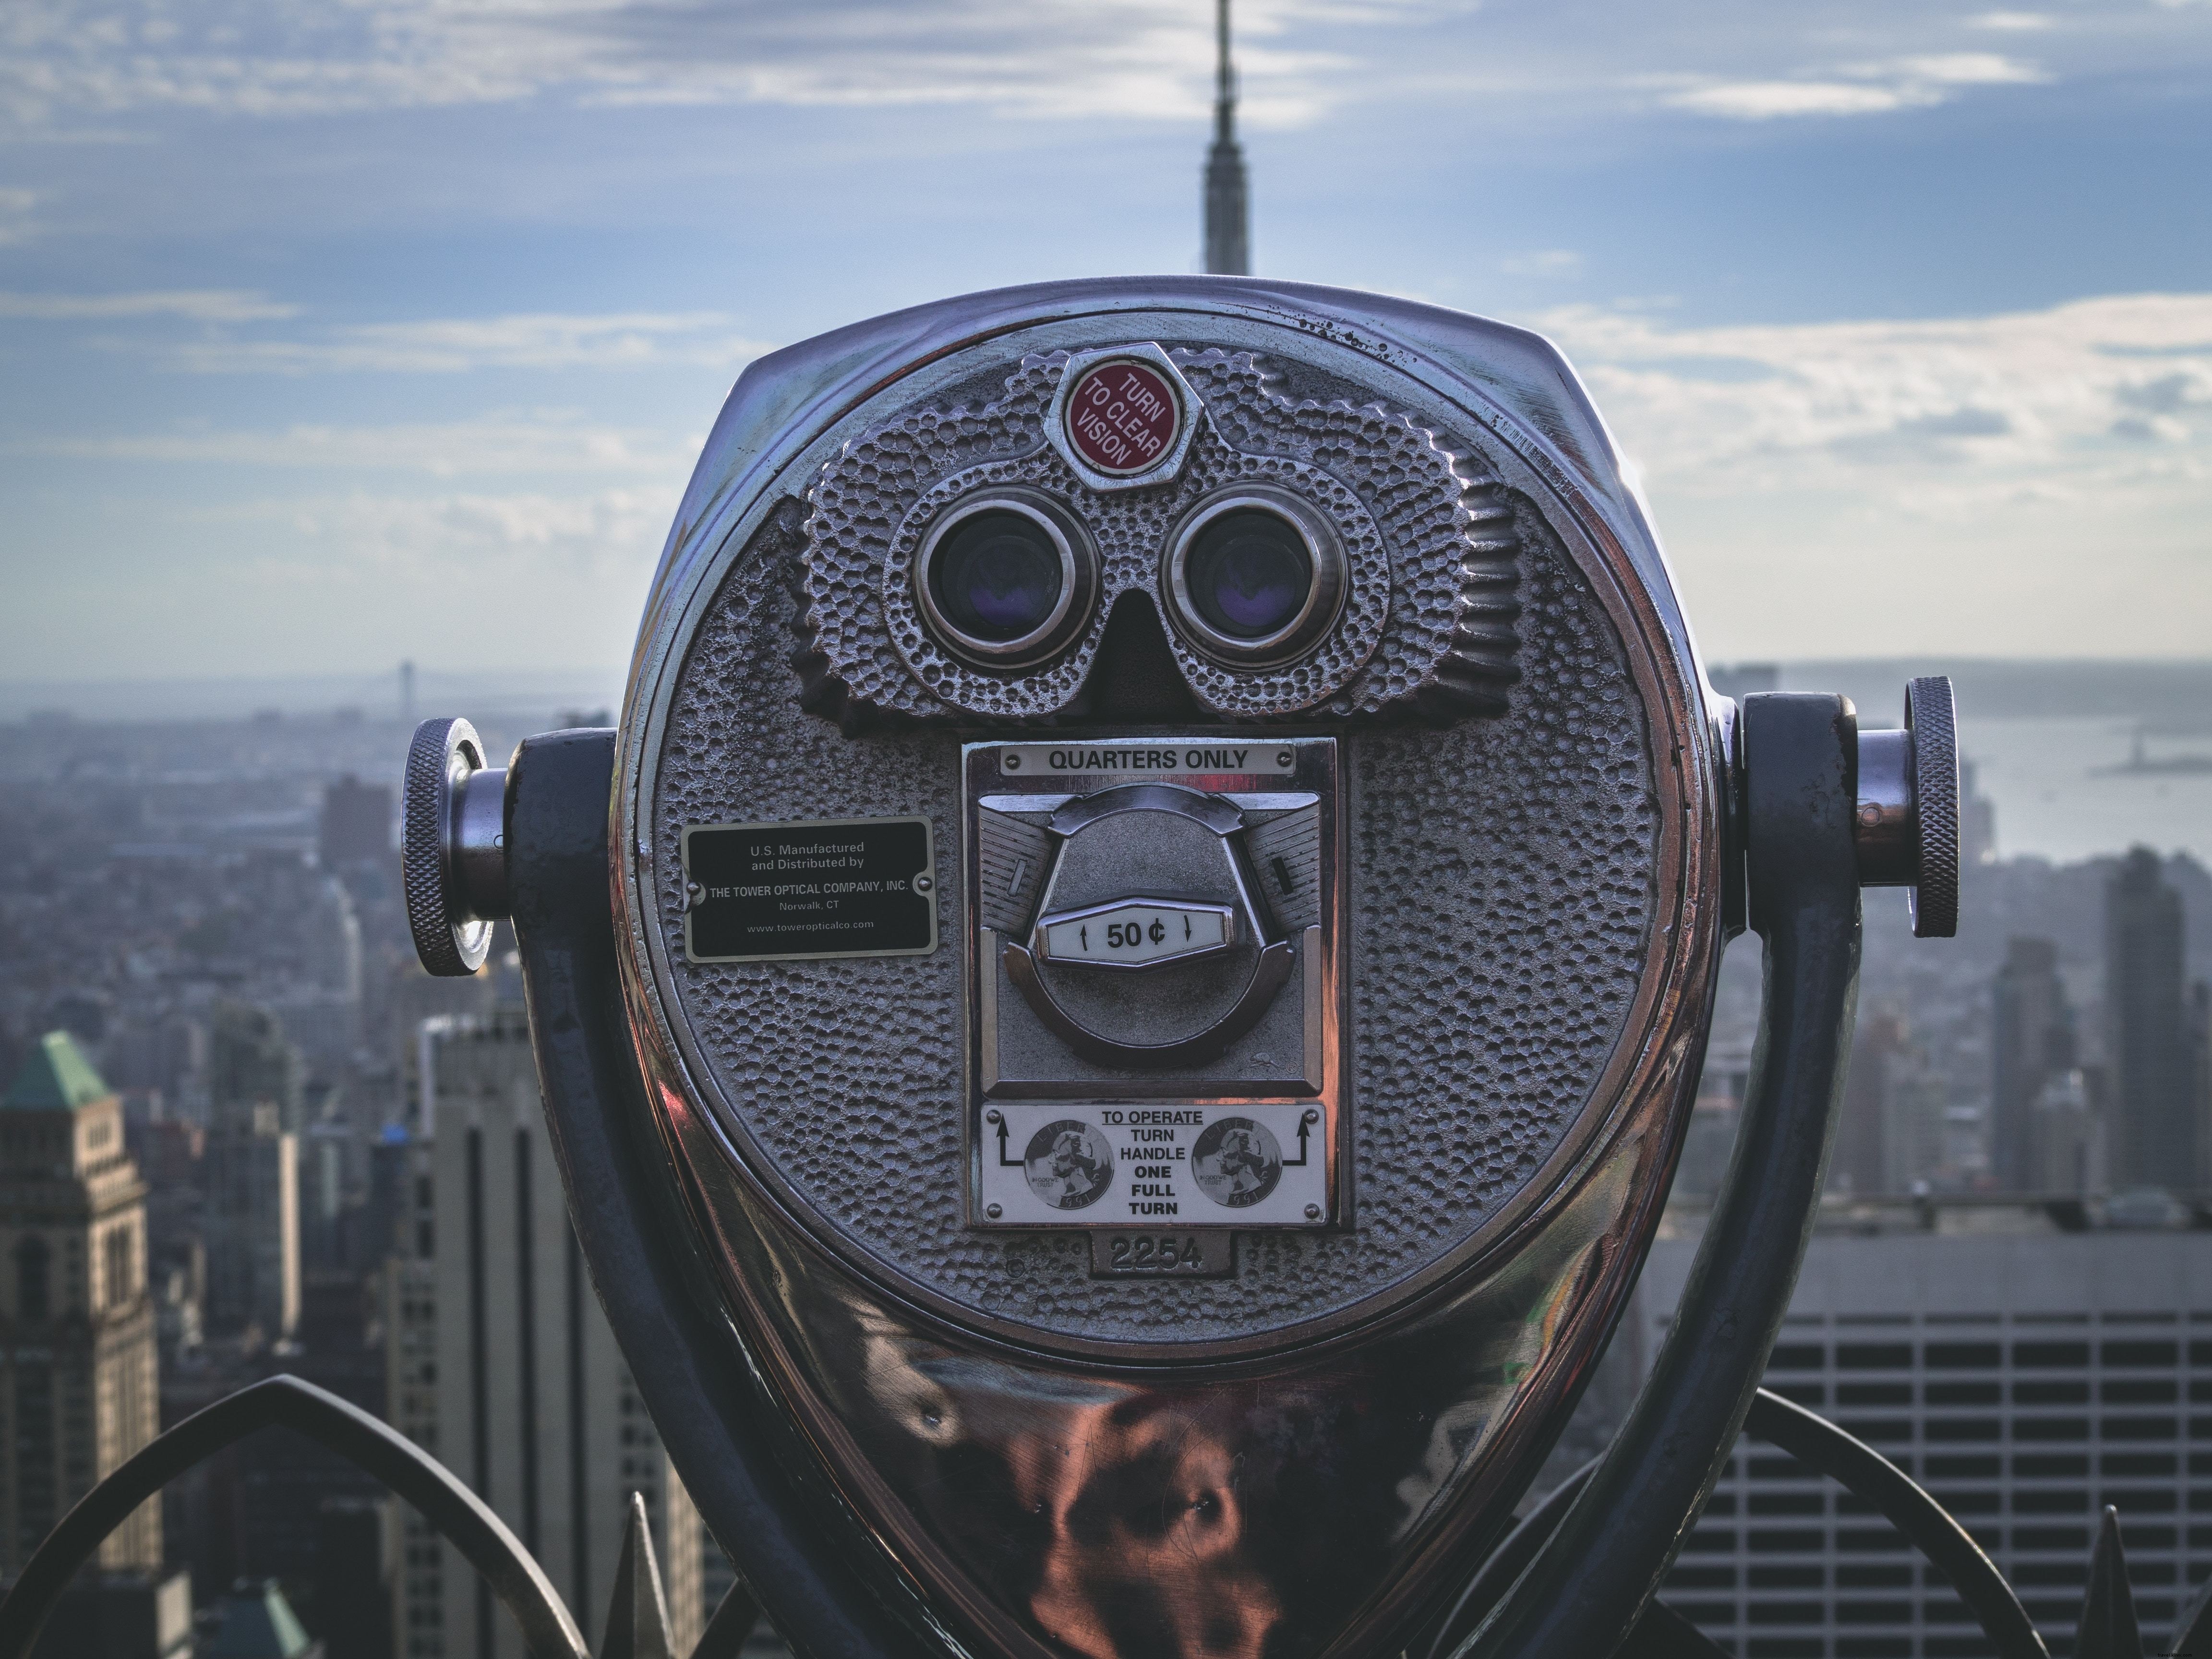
pixel 2028 1376
pixel 2153 1123
pixel 252 1221
pixel 78 1366
pixel 356 823
pixel 2030 1038
pixel 503 1365
pixel 252 1062
pixel 1866 1148
pixel 1228 239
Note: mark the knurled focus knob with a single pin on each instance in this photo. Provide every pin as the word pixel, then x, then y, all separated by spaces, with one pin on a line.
pixel 1906 824
pixel 452 846
pixel 1931 715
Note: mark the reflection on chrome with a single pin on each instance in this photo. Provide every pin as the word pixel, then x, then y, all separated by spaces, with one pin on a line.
pixel 1143 1545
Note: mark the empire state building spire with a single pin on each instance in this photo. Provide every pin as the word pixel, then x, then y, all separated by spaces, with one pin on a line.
pixel 1228 252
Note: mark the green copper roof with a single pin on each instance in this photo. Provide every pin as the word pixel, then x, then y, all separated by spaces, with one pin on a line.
pixel 55 1077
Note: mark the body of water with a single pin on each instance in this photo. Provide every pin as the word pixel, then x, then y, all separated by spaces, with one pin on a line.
pixel 2054 799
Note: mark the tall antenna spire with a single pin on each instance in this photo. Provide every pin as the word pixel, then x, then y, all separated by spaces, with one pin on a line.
pixel 1228 250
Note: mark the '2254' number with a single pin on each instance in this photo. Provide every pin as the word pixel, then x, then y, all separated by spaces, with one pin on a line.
pixel 1144 1253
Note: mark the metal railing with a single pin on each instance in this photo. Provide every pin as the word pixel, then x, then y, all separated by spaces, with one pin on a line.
pixel 637 1621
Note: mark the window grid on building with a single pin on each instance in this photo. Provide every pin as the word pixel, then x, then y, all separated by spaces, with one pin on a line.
pixel 2023 1427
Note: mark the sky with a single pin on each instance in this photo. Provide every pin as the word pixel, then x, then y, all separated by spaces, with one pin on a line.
pixel 334 332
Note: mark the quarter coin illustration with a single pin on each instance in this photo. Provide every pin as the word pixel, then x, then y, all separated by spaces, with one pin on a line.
pixel 1068 1164
pixel 1237 1161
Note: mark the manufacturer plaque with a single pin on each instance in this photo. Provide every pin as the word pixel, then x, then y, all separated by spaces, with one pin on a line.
pixel 845 887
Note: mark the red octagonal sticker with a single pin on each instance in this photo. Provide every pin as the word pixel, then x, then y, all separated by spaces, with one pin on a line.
pixel 1122 416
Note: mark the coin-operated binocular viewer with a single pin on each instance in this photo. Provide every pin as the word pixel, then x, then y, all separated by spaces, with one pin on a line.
pixel 1119 1012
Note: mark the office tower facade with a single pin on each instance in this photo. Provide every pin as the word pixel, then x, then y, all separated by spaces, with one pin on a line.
pixel 355 827
pixel 2025 1377
pixel 251 1224
pixel 1860 1162
pixel 505 1366
pixel 79 1371
pixel 2155 1139
pixel 2031 1042
pixel 252 1062
pixel 2068 1136
pixel 1895 1133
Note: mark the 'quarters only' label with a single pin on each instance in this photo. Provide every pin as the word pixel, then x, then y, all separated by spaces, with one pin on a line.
pixel 1140 759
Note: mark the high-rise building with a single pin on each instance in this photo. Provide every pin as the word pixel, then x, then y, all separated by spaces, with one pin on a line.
pixel 2068 1134
pixel 503 1365
pixel 356 823
pixel 2031 1042
pixel 1228 215
pixel 1977 819
pixel 252 1062
pixel 2153 1122
pixel 251 1220
pixel 1861 1162
pixel 2025 1376
pixel 79 1372
pixel 1895 1133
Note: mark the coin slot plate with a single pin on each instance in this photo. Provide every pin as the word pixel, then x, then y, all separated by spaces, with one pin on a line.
pixel 1273 1103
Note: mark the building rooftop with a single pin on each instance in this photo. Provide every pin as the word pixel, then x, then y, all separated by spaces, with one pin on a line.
pixel 55 1077
pixel 258 1623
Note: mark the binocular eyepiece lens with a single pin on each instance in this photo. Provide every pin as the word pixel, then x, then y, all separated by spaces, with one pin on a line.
pixel 997 577
pixel 1248 573
pixel 1255 575
pixel 1006 578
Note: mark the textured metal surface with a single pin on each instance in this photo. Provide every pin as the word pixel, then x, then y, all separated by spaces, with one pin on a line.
pixel 649 1272
pixel 1502 871
pixel 1318 1503
pixel 1426 622
pixel 444 753
pixel 1596 1577
pixel 1931 716
pixel 1009 1451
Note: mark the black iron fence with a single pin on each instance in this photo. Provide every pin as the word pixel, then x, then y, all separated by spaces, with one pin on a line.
pixel 637 1624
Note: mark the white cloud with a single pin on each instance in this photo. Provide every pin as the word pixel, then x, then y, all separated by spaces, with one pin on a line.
pixel 1544 261
pixel 363 540
pixel 1763 100
pixel 450 345
pixel 63 59
pixel 1944 416
pixel 2033 483
pixel 1872 89
pixel 1959 68
pixel 192 305
pixel 15 223
pixel 2021 23
pixel 498 444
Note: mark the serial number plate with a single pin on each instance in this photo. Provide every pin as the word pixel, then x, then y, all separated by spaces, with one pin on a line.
pixel 1133 1255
